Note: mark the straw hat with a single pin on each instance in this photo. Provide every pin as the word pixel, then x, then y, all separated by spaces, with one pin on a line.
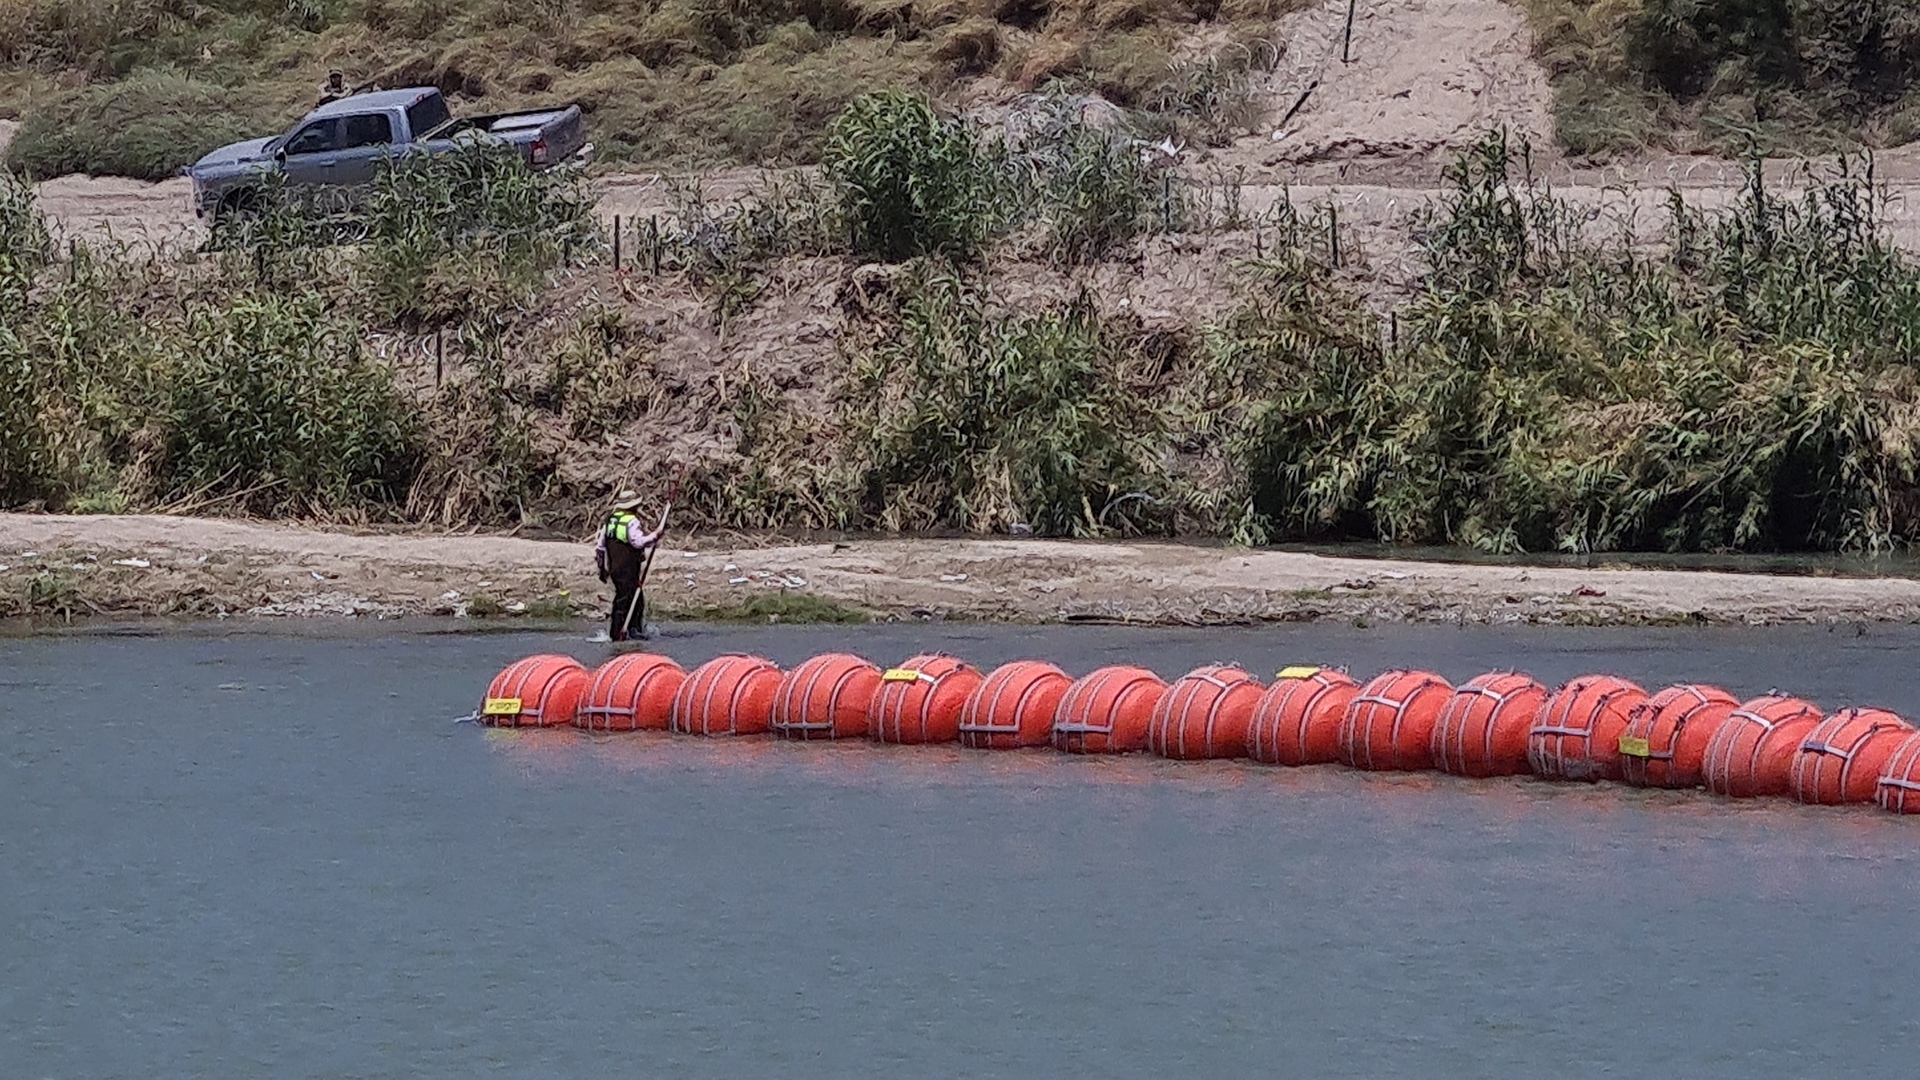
pixel 628 500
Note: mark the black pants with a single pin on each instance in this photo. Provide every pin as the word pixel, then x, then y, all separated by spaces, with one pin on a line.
pixel 627 595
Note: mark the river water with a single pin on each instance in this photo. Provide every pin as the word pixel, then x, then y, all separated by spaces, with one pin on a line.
pixel 271 855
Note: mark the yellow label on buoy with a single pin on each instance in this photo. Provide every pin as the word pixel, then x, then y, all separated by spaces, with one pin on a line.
pixel 1297 673
pixel 501 706
pixel 1632 747
pixel 900 674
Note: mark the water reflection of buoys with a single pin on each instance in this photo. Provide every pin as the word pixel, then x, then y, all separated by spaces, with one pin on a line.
pixel 1752 752
pixel 1014 707
pixel 1483 729
pixel 1297 720
pixel 1389 723
pixel 1204 714
pixel 1665 744
pixel 1107 711
pixel 539 691
pixel 920 701
pixel 631 693
pixel 727 695
pixel 1840 760
pixel 1576 734
pixel 825 698
pixel 1898 788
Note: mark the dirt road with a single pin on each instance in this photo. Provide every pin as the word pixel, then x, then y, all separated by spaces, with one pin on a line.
pixel 170 565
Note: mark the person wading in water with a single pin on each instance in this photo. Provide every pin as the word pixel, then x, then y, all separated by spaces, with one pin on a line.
pixel 621 556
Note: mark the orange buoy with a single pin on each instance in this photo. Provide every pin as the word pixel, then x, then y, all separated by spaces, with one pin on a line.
pixel 920 701
pixel 1576 733
pixel 1297 720
pixel 826 697
pixel 1107 711
pixel 1204 714
pixel 1389 723
pixel 1483 729
pixel 1665 743
pixel 1752 752
pixel 631 693
pixel 1014 707
pixel 1898 788
pixel 728 695
pixel 539 691
pixel 1840 760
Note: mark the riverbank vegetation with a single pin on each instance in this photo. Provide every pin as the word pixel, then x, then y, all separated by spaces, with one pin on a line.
pixel 1745 384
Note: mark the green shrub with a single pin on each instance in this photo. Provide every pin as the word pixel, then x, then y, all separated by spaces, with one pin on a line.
pixel 25 245
pixel 464 233
pixel 277 404
pixel 911 182
pixel 1089 185
pixel 147 127
pixel 981 420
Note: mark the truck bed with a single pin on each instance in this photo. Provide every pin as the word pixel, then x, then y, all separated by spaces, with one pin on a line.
pixel 562 129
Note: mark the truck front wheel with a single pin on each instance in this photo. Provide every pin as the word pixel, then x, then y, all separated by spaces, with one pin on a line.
pixel 236 206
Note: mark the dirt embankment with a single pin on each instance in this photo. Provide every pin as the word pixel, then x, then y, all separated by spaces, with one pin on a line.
pixel 167 565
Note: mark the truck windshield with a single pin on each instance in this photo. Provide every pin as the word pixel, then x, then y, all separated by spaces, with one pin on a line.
pixel 426 114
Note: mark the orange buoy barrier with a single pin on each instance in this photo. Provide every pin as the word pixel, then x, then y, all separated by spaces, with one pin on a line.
pixel 920 701
pixel 1204 714
pixel 1665 744
pixel 1483 729
pixel 1752 752
pixel 1297 719
pixel 1576 734
pixel 1840 760
pixel 825 698
pixel 1107 711
pixel 1898 788
pixel 1389 723
pixel 1014 707
pixel 728 695
pixel 539 691
pixel 631 693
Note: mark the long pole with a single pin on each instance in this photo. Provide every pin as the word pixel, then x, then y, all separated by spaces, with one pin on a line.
pixel 646 567
pixel 1346 43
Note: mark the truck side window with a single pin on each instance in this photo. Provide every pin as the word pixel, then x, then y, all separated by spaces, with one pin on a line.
pixel 317 137
pixel 372 129
pixel 427 114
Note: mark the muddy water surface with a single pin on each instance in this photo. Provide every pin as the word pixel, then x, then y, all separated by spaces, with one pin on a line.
pixel 272 856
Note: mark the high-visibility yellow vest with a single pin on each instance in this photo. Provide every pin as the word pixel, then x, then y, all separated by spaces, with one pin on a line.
pixel 619 526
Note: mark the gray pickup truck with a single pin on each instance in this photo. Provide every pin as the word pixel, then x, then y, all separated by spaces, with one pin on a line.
pixel 335 151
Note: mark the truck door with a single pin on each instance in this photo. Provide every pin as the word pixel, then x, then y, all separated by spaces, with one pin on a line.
pixel 366 142
pixel 312 156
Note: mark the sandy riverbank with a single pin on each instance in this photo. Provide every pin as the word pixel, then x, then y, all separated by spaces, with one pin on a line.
pixel 213 567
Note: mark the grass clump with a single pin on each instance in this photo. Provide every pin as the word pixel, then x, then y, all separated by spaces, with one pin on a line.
pixel 147 127
pixel 911 181
pixel 983 420
pixel 276 401
pixel 1799 76
pixel 469 233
